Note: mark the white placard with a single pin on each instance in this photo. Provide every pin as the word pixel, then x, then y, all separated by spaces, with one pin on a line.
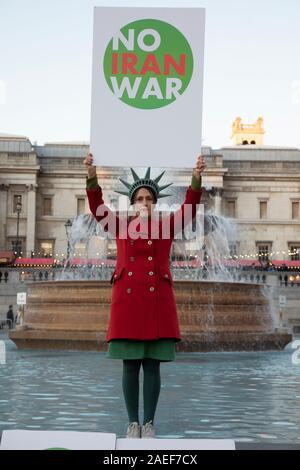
pixel 282 301
pixel 46 440
pixel 21 298
pixel 147 83
pixel 2 353
pixel 176 444
pixel 73 440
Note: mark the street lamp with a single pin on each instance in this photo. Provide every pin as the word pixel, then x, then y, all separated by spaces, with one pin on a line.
pixel 68 226
pixel 18 210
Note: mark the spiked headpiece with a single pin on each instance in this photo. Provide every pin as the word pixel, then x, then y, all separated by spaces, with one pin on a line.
pixel 144 182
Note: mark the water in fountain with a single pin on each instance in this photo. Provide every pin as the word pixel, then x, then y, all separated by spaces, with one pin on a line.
pixel 210 247
pixel 91 262
pixel 212 251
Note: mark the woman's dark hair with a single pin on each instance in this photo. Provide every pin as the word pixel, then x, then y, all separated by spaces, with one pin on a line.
pixel 148 189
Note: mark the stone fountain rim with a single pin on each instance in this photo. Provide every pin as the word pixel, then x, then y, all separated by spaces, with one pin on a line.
pixel 106 281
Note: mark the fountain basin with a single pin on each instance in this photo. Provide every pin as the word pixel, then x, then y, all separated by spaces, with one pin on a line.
pixel 213 316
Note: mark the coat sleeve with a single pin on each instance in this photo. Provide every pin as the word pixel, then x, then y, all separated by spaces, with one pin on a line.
pixel 102 213
pixel 183 216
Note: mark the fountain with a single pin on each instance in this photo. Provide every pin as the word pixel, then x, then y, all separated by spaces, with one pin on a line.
pixel 216 313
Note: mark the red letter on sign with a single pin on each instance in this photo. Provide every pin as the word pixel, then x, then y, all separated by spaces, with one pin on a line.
pixel 150 65
pixel 128 63
pixel 180 68
pixel 114 63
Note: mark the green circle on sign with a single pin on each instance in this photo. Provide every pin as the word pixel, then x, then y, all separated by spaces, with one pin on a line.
pixel 148 64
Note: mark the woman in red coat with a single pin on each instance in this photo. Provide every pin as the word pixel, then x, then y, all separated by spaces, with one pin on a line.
pixel 143 326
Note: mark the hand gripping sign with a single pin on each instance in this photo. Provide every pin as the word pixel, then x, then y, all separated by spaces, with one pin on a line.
pixel 147 86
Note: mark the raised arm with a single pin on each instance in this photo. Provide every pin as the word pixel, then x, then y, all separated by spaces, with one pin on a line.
pixel 103 214
pixel 183 216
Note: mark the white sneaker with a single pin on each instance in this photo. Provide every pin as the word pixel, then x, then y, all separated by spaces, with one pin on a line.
pixel 133 431
pixel 148 431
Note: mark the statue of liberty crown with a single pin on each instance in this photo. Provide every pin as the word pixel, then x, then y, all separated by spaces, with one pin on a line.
pixel 144 182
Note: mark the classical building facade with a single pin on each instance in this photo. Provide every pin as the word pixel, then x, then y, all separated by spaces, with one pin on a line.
pixel 257 186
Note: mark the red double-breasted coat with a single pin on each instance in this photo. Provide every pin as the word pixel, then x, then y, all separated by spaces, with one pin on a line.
pixel 143 304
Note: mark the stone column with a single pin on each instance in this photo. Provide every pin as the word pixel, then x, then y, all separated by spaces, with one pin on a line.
pixel 31 210
pixel 218 200
pixel 3 215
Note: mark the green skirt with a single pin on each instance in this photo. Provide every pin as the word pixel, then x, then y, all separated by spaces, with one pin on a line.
pixel 160 349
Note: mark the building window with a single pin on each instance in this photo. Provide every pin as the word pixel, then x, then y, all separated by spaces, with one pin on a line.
pixel 113 201
pixel 262 209
pixel 294 252
pixel 80 206
pixel 16 247
pixel 17 201
pixel 47 206
pixel 80 249
pixel 46 247
pixel 263 250
pixel 112 249
pixel 295 210
pixel 231 209
pixel 232 249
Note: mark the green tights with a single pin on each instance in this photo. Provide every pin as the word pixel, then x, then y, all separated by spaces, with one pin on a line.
pixel 151 388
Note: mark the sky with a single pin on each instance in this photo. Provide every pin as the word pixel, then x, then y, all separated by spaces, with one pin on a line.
pixel 252 67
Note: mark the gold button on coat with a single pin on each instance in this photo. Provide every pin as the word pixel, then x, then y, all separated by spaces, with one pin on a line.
pixel 150 258
pixel 149 242
pixel 150 273
pixel 130 273
pixel 151 289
